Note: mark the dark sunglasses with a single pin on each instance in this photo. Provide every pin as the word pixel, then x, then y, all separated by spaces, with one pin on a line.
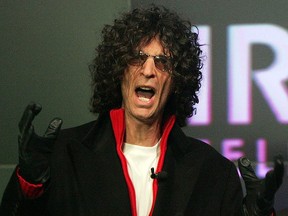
pixel 162 62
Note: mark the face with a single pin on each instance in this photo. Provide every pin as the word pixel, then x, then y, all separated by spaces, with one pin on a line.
pixel 146 88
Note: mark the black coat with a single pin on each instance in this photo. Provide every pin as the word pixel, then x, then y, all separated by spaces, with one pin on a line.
pixel 87 178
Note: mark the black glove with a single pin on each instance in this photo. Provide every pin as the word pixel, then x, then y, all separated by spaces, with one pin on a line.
pixel 259 199
pixel 34 150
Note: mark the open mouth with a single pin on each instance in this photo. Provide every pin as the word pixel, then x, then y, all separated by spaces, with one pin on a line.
pixel 145 93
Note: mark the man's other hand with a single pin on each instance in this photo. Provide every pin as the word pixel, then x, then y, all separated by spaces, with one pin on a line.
pixel 259 199
pixel 34 150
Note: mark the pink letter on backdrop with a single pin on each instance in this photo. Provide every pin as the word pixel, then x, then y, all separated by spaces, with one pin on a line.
pixel 262 168
pixel 271 80
pixel 229 147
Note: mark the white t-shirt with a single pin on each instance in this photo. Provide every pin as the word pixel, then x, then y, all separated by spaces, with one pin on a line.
pixel 140 160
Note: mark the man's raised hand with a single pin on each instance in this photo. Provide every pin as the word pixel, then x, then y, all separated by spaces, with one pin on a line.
pixel 259 199
pixel 34 150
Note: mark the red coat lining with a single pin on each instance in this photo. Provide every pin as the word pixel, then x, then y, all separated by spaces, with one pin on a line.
pixel 118 124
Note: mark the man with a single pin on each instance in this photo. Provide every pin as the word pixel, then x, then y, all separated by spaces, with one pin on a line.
pixel 134 159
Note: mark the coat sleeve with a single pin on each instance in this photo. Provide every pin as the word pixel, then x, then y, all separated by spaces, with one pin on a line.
pixel 14 203
pixel 233 194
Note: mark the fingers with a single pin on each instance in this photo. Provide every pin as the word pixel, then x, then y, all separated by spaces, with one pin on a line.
pixel 53 128
pixel 30 112
pixel 279 169
pixel 276 175
pixel 246 170
pixel 274 178
pixel 25 124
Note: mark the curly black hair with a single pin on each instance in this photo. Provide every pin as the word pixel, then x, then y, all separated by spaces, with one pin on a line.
pixel 118 46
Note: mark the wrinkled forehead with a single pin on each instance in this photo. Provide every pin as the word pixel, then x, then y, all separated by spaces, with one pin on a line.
pixel 146 41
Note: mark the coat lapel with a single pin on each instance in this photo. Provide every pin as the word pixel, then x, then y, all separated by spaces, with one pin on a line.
pixel 183 166
pixel 98 172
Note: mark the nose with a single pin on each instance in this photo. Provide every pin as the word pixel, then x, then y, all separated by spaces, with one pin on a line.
pixel 148 68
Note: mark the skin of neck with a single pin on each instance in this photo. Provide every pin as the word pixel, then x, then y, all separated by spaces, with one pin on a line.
pixel 142 133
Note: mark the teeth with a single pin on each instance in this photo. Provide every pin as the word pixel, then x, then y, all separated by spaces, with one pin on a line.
pixel 144 99
pixel 145 88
